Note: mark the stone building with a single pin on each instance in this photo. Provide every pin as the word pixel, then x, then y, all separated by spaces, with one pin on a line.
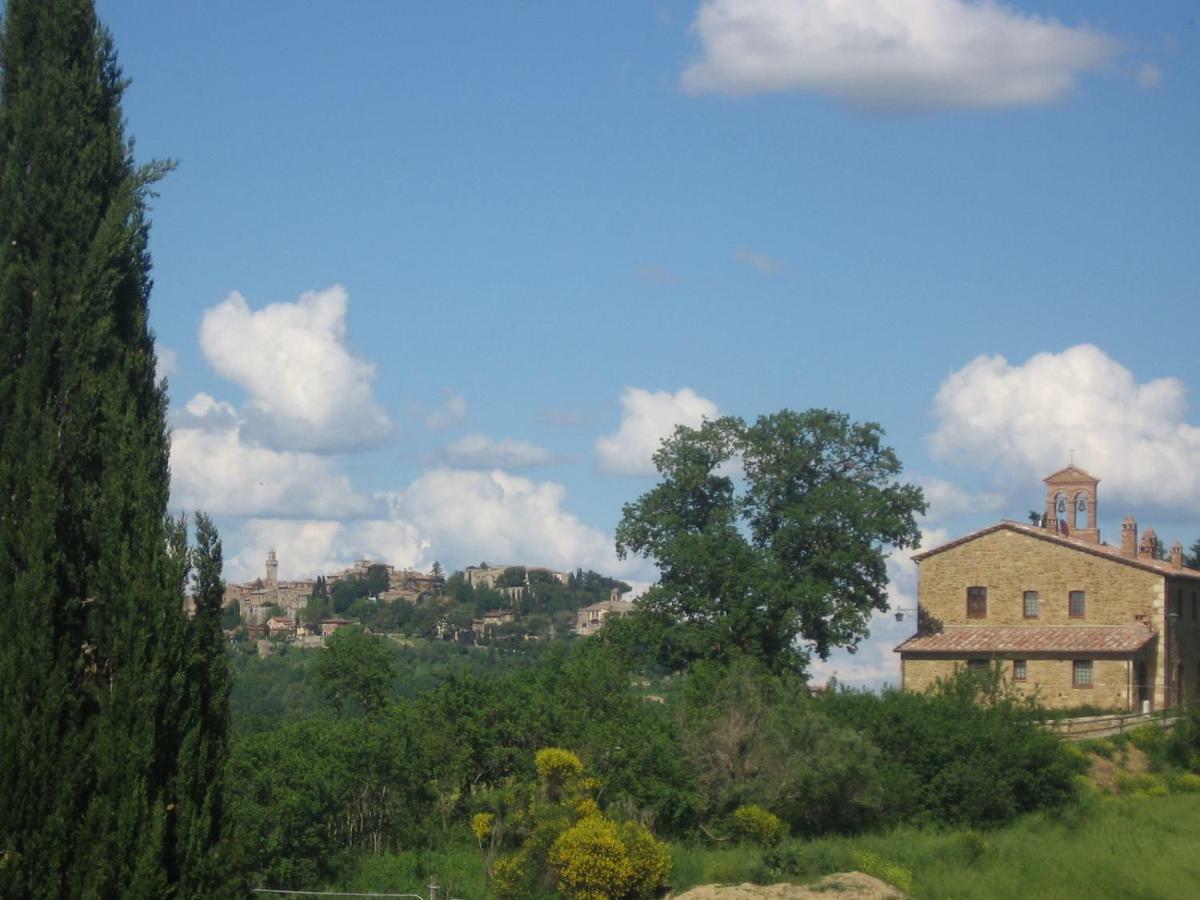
pixel 589 619
pixel 256 599
pixel 1064 614
pixel 487 576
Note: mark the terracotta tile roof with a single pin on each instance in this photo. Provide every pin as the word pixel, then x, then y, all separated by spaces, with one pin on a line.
pixel 1159 566
pixel 1031 639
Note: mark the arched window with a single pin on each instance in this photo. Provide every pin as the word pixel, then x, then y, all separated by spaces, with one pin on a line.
pixel 1062 512
pixel 1081 511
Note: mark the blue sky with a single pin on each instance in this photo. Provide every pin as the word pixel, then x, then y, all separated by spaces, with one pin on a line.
pixel 432 278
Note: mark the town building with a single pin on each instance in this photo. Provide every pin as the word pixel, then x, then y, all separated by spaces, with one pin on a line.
pixel 487 576
pixel 589 619
pixel 257 599
pixel 1063 614
pixel 492 619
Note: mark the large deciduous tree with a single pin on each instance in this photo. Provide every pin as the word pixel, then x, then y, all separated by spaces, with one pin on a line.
pixel 771 538
pixel 109 697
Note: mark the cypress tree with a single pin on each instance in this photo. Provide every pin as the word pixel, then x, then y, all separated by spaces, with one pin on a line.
pixel 109 697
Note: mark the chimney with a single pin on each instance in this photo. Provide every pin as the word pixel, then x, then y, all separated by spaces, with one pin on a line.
pixel 1177 555
pixel 1149 546
pixel 1129 543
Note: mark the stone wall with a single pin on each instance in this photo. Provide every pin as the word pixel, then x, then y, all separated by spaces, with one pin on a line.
pixel 1183 597
pixel 1008 563
pixel 1050 679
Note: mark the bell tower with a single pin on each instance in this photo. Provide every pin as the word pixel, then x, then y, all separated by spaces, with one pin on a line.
pixel 1071 504
pixel 272 567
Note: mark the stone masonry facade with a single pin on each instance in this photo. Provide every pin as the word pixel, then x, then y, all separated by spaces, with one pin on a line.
pixel 1064 615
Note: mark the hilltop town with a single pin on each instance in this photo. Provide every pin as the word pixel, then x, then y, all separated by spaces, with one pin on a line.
pixel 480 603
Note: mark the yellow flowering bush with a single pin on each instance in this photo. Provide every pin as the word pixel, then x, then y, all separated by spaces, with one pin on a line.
pixel 651 859
pixel 481 825
pixel 556 767
pixel 592 862
pixel 753 823
pixel 510 876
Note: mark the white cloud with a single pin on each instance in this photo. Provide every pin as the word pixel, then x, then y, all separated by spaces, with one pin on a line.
pixel 207 413
pixel 456 517
pixel 892 55
pixel 306 390
pixel 306 549
pixel 947 501
pixel 471 516
pixel 214 469
pixel 452 411
pixel 478 451
pixel 767 265
pixel 648 417
pixel 1026 419
pixel 1149 75
pixel 166 362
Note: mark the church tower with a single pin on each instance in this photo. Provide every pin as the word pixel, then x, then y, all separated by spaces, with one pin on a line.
pixel 272 567
pixel 1071 504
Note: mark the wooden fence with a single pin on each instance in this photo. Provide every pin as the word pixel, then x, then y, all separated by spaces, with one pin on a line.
pixel 1088 727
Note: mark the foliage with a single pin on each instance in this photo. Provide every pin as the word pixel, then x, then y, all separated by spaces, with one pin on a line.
pixel 309 794
pixel 355 670
pixel 755 738
pixel 113 721
pixel 563 840
pixel 797 556
pixel 758 825
pixel 1191 559
pixel 556 767
pixel 967 753
pixel 597 859
pixel 482 824
pixel 883 869
pixel 513 576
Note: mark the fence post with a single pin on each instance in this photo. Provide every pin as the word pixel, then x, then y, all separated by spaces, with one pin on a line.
pixel 433 888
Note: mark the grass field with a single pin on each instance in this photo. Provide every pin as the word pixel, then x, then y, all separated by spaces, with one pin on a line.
pixel 1133 848
pixel 1119 847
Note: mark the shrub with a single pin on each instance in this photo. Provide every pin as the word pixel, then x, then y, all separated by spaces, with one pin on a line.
pixel 651 859
pixel 1102 747
pixel 891 872
pixel 1186 783
pixel 481 825
pixel 510 876
pixel 591 861
pixel 556 768
pixel 754 737
pixel 753 823
pixel 1144 783
pixel 567 842
pixel 964 754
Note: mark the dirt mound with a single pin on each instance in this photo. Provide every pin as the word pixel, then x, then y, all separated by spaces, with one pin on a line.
pixel 831 887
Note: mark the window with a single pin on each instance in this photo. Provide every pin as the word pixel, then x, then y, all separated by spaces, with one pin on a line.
pixel 976 603
pixel 1081 673
pixel 977 665
pixel 1076 604
pixel 1031 604
pixel 1018 670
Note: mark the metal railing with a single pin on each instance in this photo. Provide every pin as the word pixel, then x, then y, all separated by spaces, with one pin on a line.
pixel 433 893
